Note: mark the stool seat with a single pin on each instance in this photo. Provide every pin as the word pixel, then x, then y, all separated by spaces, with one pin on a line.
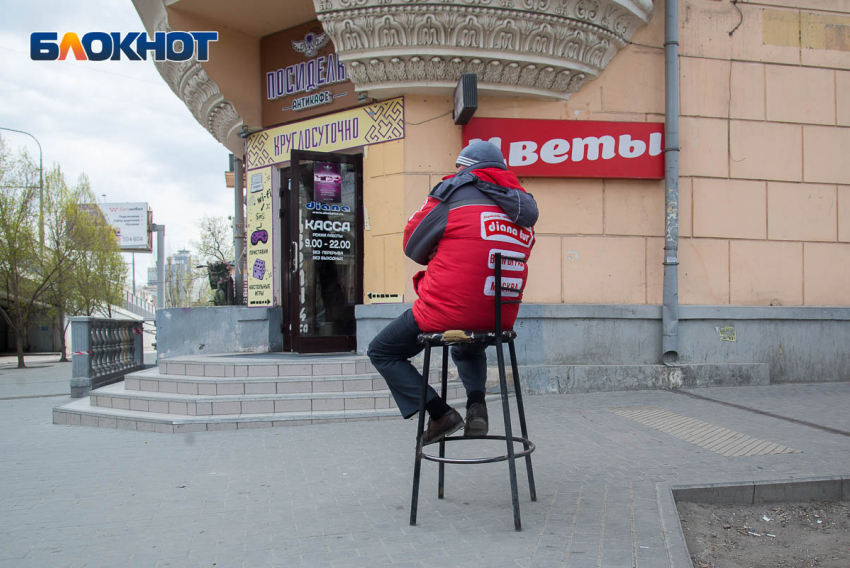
pixel 457 336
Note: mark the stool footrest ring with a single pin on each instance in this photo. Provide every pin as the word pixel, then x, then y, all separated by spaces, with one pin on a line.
pixel 524 441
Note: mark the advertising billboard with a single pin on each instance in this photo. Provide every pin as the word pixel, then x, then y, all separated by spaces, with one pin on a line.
pixel 131 222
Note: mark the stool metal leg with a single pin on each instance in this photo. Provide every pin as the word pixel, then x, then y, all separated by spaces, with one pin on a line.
pixel 440 489
pixel 521 409
pixel 508 433
pixel 414 501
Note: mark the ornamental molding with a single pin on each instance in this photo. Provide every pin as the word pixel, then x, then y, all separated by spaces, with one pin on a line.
pixel 202 97
pixel 546 48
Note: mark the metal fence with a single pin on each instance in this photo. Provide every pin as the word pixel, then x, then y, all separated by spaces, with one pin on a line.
pixel 138 306
pixel 104 350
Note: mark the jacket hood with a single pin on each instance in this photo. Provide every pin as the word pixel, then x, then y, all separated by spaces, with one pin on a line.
pixel 495 176
pixel 501 186
pixel 498 176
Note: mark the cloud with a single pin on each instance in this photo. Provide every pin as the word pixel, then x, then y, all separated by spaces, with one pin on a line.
pixel 115 121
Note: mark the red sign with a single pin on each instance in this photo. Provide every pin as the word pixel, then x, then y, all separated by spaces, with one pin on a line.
pixel 574 149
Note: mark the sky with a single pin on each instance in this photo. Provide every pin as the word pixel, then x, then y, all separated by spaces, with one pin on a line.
pixel 116 121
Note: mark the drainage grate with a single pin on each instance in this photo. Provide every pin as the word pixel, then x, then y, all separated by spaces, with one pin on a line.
pixel 723 441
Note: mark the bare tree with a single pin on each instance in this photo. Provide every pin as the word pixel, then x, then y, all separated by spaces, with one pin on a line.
pixel 216 240
pixel 215 246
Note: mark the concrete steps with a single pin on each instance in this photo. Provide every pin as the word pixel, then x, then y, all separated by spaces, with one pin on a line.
pixel 155 381
pixel 118 397
pixel 81 412
pixel 192 394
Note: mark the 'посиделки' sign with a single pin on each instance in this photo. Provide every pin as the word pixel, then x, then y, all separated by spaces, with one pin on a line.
pixel 574 149
pixel 302 75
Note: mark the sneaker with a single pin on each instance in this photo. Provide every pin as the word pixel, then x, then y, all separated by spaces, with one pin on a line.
pixel 450 423
pixel 477 423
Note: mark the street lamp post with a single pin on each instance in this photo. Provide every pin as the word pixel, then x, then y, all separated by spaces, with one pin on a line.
pixel 40 183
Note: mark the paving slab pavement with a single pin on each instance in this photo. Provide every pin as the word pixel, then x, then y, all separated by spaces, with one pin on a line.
pixel 798 401
pixel 44 376
pixel 338 495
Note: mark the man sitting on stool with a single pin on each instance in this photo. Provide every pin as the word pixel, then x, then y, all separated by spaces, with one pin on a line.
pixel 466 220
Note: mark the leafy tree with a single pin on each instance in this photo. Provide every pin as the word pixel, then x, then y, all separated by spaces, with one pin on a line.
pixel 59 249
pixel 100 272
pixel 76 270
pixel 90 271
pixel 99 280
pixel 25 277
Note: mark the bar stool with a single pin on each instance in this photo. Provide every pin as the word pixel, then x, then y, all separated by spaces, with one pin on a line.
pixel 498 339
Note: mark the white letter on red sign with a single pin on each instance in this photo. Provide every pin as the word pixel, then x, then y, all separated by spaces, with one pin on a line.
pixel 523 153
pixel 593 143
pixel 654 143
pixel 631 148
pixel 555 151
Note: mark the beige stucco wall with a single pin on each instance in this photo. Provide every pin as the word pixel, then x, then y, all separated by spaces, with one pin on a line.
pixel 397 179
pixel 234 63
pixel 765 168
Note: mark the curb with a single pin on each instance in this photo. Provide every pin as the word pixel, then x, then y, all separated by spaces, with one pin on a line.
pixel 836 488
pixel 674 537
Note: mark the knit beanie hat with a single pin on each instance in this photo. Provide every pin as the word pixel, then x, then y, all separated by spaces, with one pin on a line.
pixel 481 152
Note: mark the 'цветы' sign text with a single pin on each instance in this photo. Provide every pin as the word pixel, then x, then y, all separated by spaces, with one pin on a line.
pixel 575 149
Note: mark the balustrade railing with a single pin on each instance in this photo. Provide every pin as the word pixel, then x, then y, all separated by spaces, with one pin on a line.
pixel 104 350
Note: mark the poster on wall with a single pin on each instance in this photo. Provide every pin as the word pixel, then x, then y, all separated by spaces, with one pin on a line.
pixel 327 182
pixel 258 225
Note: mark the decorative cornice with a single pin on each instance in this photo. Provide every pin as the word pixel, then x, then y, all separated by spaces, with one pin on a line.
pixel 201 96
pixel 546 48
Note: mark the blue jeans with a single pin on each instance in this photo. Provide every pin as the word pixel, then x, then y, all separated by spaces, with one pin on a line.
pixel 392 349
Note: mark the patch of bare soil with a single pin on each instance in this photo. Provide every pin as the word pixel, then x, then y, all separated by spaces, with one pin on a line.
pixel 770 535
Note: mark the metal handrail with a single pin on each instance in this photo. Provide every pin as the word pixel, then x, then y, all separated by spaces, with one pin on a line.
pixel 138 306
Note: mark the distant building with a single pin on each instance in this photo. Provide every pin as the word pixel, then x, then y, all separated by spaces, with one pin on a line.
pixel 179 286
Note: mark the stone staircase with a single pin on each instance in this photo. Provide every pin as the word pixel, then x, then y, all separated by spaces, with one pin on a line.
pixel 200 393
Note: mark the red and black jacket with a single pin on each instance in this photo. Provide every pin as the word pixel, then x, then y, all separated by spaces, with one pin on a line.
pixel 466 219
